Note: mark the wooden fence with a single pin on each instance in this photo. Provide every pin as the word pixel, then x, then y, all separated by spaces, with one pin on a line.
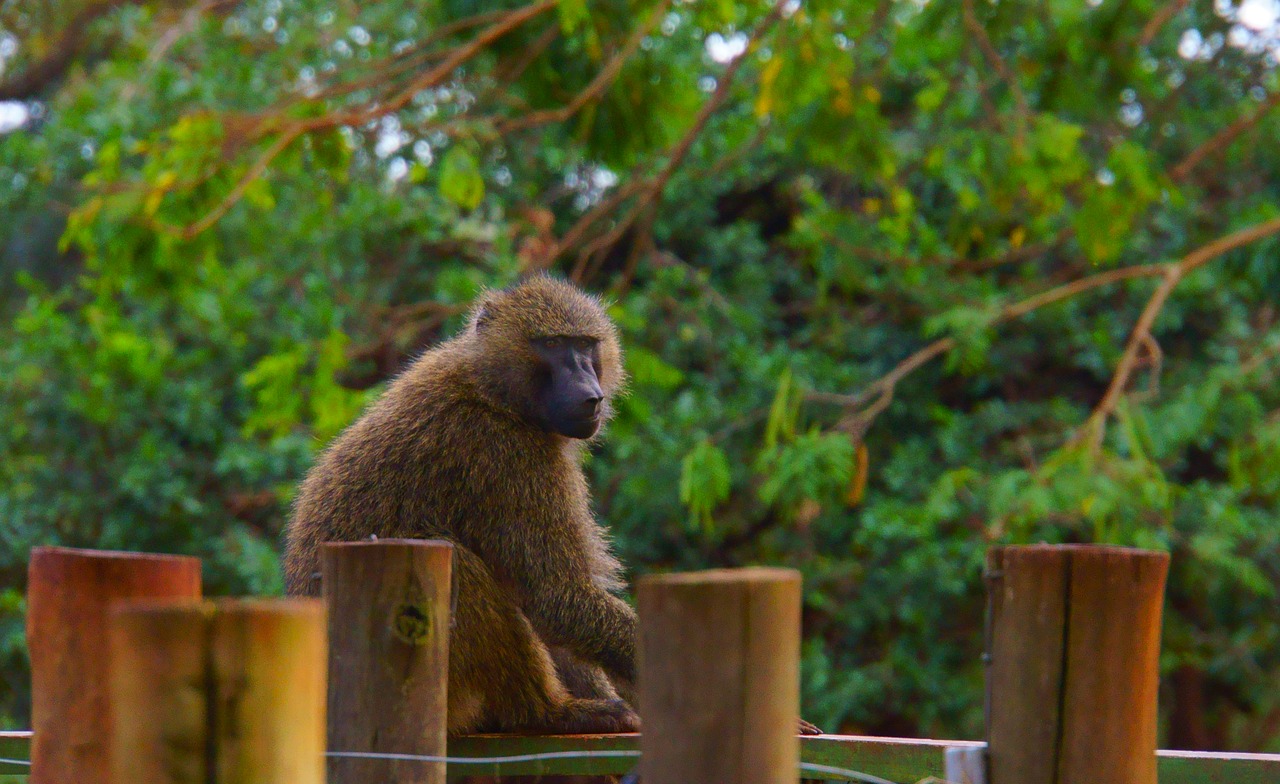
pixel 135 678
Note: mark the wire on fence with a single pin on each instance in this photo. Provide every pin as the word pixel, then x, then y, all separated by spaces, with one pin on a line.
pixel 808 767
pixel 542 755
pixel 813 767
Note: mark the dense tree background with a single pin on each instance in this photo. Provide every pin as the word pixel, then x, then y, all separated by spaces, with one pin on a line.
pixel 898 281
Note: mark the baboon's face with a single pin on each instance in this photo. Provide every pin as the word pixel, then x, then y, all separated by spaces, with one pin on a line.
pixel 569 400
pixel 548 352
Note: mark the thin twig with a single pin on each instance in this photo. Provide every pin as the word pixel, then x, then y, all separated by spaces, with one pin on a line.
pixel 70 45
pixel 1223 138
pixel 532 52
pixel 872 399
pixel 649 192
pixel 185 26
pixel 451 63
pixel 413 57
pixel 584 223
pixel 1159 19
pixel 237 191
pixel 291 131
pixel 598 85
pixel 1012 256
pixel 974 26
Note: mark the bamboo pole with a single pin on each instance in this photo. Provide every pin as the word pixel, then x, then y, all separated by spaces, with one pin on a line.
pixel 69 591
pixel 719 676
pixel 389 662
pixel 230 692
pixel 1074 653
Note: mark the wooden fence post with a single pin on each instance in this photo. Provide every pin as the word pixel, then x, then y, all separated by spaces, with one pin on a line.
pixel 68 595
pixel 1074 652
pixel 389 657
pixel 719 676
pixel 227 692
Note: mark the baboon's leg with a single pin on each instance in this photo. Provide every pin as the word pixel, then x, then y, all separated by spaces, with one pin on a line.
pixel 582 678
pixel 501 675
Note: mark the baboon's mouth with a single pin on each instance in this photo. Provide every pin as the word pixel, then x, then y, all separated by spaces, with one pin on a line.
pixel 582 428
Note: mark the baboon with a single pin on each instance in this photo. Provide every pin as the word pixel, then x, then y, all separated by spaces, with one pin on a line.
pixel 480 442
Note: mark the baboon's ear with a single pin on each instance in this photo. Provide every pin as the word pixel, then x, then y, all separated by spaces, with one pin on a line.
pixel 484 316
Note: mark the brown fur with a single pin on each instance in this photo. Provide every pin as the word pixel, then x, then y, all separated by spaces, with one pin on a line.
pixel 449 451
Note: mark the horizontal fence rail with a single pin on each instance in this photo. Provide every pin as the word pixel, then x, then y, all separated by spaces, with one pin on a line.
pixel 897 759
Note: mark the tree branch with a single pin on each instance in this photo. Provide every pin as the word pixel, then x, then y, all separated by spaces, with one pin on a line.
pixel 866 404
pixel 1173 273
pixel 872 399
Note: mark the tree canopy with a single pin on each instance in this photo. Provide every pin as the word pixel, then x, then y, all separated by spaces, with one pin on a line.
pixel 897 281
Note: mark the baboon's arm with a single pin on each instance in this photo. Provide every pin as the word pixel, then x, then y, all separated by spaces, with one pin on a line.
pixel 567 608
pixel 595 624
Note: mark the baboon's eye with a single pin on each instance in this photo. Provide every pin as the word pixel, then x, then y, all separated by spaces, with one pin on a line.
pixel 551 342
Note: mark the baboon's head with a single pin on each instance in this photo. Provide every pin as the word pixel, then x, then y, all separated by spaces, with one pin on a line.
pixel 548 352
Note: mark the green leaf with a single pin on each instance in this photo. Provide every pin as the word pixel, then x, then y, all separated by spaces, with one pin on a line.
pixel 572 13
pixel 704 482
pixel 647 369
pixel 460 180
pixel 816 466
pixel 783 412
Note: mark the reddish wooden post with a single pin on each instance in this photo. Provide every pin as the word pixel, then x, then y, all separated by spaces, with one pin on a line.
pixel 389 657
pixel 1074 655
pixel 68 595
pixel 230 692
pixel 720 676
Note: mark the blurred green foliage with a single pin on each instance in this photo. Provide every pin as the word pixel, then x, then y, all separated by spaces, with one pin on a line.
pixel 224 225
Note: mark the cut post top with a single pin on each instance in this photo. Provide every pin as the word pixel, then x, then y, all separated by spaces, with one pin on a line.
pixel 425 543
pixel 248 606
pixel 42 552
pixel 749 574
pixel 1082 549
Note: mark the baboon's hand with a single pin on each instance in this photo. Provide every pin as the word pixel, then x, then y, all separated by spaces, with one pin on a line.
pixel 808 729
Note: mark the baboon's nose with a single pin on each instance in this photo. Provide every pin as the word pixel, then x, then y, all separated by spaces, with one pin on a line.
pixel 591 406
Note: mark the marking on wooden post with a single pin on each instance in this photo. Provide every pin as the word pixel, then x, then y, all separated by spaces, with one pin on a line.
pixel 719 665
pixel 1073 664
pixel 69 594
pixel 227 692
pixel 389 657
pixel 412 623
